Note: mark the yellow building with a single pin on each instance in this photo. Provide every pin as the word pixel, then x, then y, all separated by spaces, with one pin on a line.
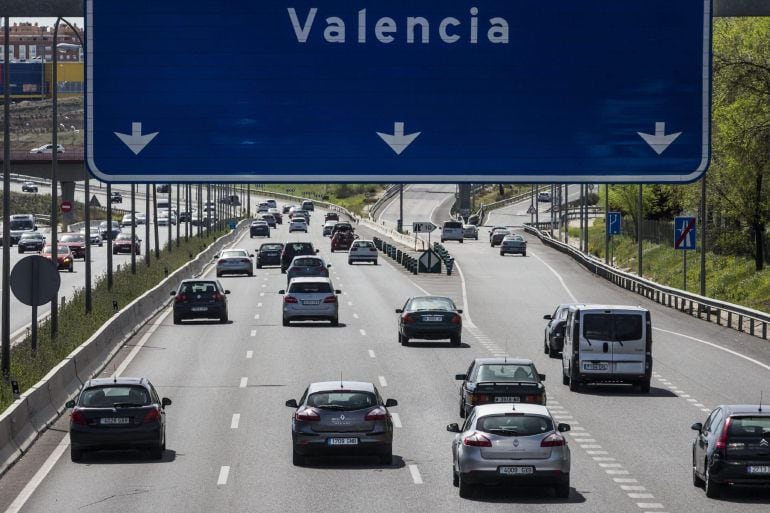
pixel 70 76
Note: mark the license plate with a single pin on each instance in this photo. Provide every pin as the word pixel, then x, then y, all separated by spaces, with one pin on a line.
pixel 758 469
pixel 317 302
pixel 200 309
pixel 343 441
pixel 516 471
pixel 115 420
pixel 595 366
pixel 433 318
pixel 508 399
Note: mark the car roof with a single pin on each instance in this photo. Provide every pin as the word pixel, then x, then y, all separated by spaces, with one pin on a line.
pixel 199 280
pixel 311 279
pixel 326 386
pixel 600 307
pixel 497 408
pixel 430 297
pixel 235 249
pixel 496 360
pixel 746 408
pixel 115 381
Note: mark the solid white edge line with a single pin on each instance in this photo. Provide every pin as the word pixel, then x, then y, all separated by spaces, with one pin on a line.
pixel 416 477
pixel 224 473
pixel 39 476
pixel 715 346
pixel 236 421
pixel 383 381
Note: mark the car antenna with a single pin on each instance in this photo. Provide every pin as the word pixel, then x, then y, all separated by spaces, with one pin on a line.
pixel 341 386
pixel 760 401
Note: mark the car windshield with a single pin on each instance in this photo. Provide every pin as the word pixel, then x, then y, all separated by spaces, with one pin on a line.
pixel 234 253
pixel 21 224
pixel 114 396
pixel 453 225
pixel 343 400
pixel 270 247
pixel 514 424
pixel 123 236
pixel 310 288
pixel 198 287
pixel 506 372
pixel 28 236
pixel 308 262
pixel 60 250
pixel 71 238
pixel 758 425
pixel 431 303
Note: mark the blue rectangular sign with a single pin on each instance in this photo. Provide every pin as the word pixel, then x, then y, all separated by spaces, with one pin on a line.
pixel 398 90
pixel 684 233
pixel 614 223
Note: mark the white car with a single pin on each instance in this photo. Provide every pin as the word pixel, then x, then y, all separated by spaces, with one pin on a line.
pixel 298 224
pixel 47 148
pixel 141 218
pixel 362 251
pixel 162 219
pixel 452 230
pixel 127 220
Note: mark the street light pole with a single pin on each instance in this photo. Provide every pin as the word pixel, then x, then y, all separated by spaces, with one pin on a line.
pixel 55 175
pixel 6 294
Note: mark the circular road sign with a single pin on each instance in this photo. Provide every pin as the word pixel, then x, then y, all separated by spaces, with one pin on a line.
pixel 35 280
pixel 66 206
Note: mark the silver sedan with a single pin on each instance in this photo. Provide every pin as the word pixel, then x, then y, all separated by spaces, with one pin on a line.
pixel 310 299
pixel 510 443
pixel 234 261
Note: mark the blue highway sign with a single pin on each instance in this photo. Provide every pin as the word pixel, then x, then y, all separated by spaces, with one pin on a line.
pixel 684 233
pixel 594 91
pixel 614 223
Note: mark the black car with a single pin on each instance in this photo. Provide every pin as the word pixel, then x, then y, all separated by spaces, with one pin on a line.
pixel 163 188
pixel 429 318
pixel 732 449
pixel 259 229
pixel 292 249
pixel 269 254
pixel 28 187
pixel 342 227
pixel 270 220
pixel 31 241
pixel 500 380
pixel 105 232
pixel 553 339
pixel 184 216
pixel 118 413
pixel 116 197
pixel 200 299
pixel 331 216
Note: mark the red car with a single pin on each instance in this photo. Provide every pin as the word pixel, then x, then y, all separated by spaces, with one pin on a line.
pixel 64 257
pixel 343 241
pixel 122 244
pixel 75 242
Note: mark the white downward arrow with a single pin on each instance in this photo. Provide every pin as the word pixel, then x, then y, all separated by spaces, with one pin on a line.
pixel 398 141
pixel 136 141
pixel 660 141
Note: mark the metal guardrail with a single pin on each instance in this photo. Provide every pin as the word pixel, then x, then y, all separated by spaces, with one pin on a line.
pixel 384 200
pixel 739 318
pixel 484 210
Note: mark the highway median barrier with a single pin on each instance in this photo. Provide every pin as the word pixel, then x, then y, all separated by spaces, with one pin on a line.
pixel 23 432
pixel 63 385
pixel 41 411
pixel 9 451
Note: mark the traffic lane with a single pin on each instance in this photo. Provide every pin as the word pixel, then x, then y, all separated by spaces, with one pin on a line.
pixel 419 203
pixel 623 411
pixel 517 213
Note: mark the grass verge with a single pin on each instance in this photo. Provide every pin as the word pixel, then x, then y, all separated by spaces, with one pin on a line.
pixel 75 326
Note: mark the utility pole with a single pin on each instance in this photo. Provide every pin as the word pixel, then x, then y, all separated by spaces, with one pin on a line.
pixel 155 220
pixel 606 225
pixel 177 217
pixel 147 225
pixel 109 236
pixel 6 294
pixel 88 295
pixel 400 208
pixel 703 235
pixel 169 218
pixel 565 213
pixel 639 230
pixel 133 229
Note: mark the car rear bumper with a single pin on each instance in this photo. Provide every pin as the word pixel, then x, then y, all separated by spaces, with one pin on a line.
pixel 362 257
pixel 494 477
pixel 310 313
pixel 231 269
pixel 431 332
pixel 318 444
pixel 115 438
pixel 512 251
pixel 214 310
pixel 735 472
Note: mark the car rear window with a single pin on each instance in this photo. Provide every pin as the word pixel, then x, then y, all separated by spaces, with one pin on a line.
pixel 431 303
pixel 71 238
pixel 506 372
pixel 231 253
pixel 309 288
pixel 198 287
pixel 270 247
pixel 620 327
pixel 299 247
pixel 452 224
pixel 123 236
pixel 342 400
pixel 308 262
pixel 107 396
pixel 749 426
pixel 515 424
pixel 363 244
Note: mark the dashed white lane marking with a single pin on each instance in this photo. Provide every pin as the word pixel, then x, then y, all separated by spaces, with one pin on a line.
pixel 591 446
pixel 261 293
pixel 641 496
pixel 350 303
pixel 613 472
pixel 585 440
pixel 236 420
pixel 705 410
pixel 396 419
pixel 244 382
pixel 363 332
pixel 624 480
pixel 224 473
pixel 610 465
pixel 371 354
pixel 596 453
pixel 603 458
pixel 256 316
pixel 691 400
pixel 355 316
pixel 649 505
pixel 253 333
pixel 383 382
pixel 416 477
pixel 264 285
pixel 259 305
pixel 249 354
pixel 632 488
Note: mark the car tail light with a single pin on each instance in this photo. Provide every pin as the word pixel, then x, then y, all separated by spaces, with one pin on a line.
pixel 532 399
pixel 408 319
pixel 477 440
pixel 290 299
pixel 456 319
pixel 722 442
pixel 479 398
pixel 179 298
pixel 77 417
pixel 553 440
pixel 152 416
pixel 330 299
pixel 378 413
pixel 220 261
pixel 245 261
pixel 307 414
pixel 373 250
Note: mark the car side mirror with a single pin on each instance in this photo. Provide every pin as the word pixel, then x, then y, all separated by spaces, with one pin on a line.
pixel 698 426
pixel 291 403
pixel 328 265
pixel 337 291
pixel 316 251
pixel 399 310
pixel 165 402
pixel 460 377
pixel 227 291
pixel 173 293
pixel 70 403
pixel 282 291
pixel 251 256
pixel 563 427
pixel 453 427
pixel 459 310
pixel 389 403
pixel 547 317
pixel 541 377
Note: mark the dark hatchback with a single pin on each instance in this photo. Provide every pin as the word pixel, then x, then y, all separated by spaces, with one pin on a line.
pixel 200 299
pixel 553 338
pixel 500 380
pixel 31 241
pixel 118 413
pixel 259 228
pixel 292 249
pixel 269 254
pixel 732 449
pixel 429 318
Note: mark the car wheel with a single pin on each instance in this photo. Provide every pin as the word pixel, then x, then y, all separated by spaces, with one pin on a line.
pixel 114 252
pixel 564 378
pixel 386 458
pixel 466 489
pixel 455 479
pixel 574 383
pixel 455 340
pixel 335 321
pixel 697 481
pixel 492 244
pixel 713 490
pixel 177 319
pixel 72 268
pixel 286 322
pixel 21 250
pixel 219 275
pixel 297 459
pixel 561 490
pixel 524 254
pixel 644 387
pixel 374 262
pixel 76 454
pixel 156 453
pixel 462 409
pixel 502 254
pixel 350 262
pixel 251 274
pixel 223 319
pixel 546 349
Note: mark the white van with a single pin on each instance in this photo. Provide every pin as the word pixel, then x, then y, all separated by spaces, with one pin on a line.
pixel 607 343
pixel 163 204
pixel 452 230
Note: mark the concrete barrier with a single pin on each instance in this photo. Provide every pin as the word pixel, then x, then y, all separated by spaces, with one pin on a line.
pixel 41 411
pixel 22 431
pixel 9 451
pixel 63 384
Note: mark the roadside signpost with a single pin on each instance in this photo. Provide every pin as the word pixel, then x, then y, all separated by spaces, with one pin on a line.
pixel 65 206
pixel 684 239
pixel 614 224
pixel 425 227
pixel 399 92
pixel 35 281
